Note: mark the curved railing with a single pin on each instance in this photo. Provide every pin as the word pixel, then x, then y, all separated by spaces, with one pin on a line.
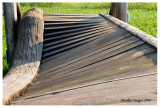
pixel 27 55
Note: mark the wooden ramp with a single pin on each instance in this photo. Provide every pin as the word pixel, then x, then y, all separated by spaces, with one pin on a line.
pixel 89 60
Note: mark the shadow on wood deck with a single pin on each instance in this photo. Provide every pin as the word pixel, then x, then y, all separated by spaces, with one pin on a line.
pixel 89 60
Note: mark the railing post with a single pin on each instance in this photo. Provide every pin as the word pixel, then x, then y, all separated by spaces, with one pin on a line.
pixel 119 10
pixel 10 15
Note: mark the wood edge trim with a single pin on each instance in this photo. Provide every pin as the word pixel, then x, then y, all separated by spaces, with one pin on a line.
pixel 27 55
pixel 142 35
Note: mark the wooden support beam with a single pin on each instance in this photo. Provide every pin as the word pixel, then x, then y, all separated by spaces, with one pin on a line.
pixel 119 10
pixel 28 52
pixel 10 15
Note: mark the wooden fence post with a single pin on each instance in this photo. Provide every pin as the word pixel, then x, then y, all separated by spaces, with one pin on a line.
pixel 119 10
pixel 10 15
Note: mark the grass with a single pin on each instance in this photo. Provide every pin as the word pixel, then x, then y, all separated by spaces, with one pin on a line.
pixel 5 65
pixel 69 8
pixel 143 16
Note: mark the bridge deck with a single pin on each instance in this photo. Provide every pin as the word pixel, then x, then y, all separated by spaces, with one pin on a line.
pixel 90 60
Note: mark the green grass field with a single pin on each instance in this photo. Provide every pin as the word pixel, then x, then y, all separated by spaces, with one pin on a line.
pixel 143 16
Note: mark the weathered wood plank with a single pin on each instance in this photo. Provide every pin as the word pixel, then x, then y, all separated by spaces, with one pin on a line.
pixel 108 64
pixel 59 32
pixel 75 26
pixel 84 37
pixel 97 71
pixel 68 37
pixel 86 56
pixel 51 32
pixel 144 36
pixel 104 54
pixel 111 92
pixel 107 68
pixel 146 71
pixel 27 56
pixel 87 48
pixel 71 46
pixel 73 35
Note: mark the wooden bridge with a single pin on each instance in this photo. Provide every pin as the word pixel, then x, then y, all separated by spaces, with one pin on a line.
pixel 81 60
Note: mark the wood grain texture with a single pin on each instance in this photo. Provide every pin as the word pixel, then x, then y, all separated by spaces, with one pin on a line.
pixel 97 64
pixel 71 75
pixel 119 10
pixel 144 36
pixel 110 93
pixel 27 55
pixel 10 16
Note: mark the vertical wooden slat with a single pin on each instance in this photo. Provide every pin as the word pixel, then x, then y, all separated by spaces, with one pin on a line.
pixel 10 15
